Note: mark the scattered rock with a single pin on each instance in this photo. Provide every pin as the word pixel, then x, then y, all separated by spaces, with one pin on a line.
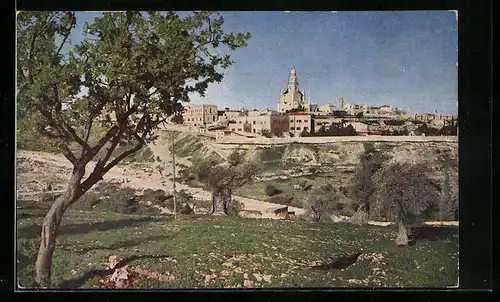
pixel 267 278
pixel 113 261
pixel 257 277
pixel 248 283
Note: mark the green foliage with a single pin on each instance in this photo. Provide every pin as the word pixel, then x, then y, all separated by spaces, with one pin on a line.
pixel 335 129
pixel 404 191
pixel 275 153
pixel 26 256
pixel 271 190
pixel 362 187
pixel 138 69
pixel 281 199
pixel 87 202
pixel 121 201
pixel 156 197
pixel 447 205
pixel 427 131
pixel 234 207
pixel 178 119
pixel 323 201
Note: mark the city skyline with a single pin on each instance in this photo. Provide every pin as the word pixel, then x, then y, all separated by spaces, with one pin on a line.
pixel 406 59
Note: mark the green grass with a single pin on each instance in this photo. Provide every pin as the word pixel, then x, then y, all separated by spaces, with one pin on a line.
pixel 194 246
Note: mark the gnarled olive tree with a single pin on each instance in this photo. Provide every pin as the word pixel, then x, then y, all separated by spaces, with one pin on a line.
pixel 403 191
pixel 222 179
pixel 362 187
pixel 137 68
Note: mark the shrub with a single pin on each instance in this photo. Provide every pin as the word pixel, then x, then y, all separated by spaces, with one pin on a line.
pixel 120 201
pixel 271 190
pixel 234 207
pixel 186 209
pixel 322 202
pixel 27 250
pixel 280 199
pixel 145 210
pixel 106 188
pixel 156 197
pixel 87 202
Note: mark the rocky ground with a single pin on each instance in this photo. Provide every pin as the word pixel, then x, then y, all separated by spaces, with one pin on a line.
pixel 36 170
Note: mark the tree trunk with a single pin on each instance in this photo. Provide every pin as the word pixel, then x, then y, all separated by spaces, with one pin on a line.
pixel 361 215
pixel 51 222
pixel 402 239
pixel 219 203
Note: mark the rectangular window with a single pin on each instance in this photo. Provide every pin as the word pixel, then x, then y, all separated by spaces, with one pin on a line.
pixel 239 129
pixel 291 128
pixel 299 121
pixel 298 128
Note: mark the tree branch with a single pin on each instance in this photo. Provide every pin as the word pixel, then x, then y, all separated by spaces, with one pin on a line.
pixel 67 34
pixel 120 157
pixel 68 154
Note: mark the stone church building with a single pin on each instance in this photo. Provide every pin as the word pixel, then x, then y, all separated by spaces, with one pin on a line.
pixel 292 97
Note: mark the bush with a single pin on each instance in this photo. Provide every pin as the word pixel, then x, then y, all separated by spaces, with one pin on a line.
pixel 27 250
pixel 156 197
pixel 145 210
pixel 234 207
pixel 106 188
pixel 120 201
pixel 323 201
pixel 271 190
pixel 280 199
pixel 186 209
pixel 87 202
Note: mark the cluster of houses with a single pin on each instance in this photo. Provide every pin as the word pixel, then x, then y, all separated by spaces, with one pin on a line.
pixel 295 114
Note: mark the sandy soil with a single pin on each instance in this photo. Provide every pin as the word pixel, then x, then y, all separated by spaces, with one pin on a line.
pixel 55 169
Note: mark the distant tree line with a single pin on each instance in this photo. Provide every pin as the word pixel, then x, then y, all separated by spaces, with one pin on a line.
pixel 335 129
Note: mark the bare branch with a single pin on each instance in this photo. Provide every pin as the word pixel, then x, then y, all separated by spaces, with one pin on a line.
pixel 68 154
pixel 67 34
pixel 120 157
pixel 98 171
pixel 113 131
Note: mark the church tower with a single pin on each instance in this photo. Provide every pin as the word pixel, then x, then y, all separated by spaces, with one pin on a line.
pixel 292 97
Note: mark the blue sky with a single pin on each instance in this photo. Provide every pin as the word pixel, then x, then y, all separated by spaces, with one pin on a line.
pixel 407 59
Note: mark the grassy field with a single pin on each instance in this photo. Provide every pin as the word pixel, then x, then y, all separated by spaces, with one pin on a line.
pixel 233 252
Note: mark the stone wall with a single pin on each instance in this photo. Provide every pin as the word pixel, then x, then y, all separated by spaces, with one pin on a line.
pixel 332 139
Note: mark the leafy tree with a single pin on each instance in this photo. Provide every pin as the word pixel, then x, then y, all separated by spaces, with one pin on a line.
pixel 265 133
pixel 323 201
pixel 178 119
pixel 362 186
pixel 304 133
pixel 222 179
pixel 402 192
pixel 271 190
pixel 321 131
pixel 448 199
pixel 137 67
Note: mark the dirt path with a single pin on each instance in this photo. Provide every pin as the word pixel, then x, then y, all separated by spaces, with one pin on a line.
pixel 150 178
